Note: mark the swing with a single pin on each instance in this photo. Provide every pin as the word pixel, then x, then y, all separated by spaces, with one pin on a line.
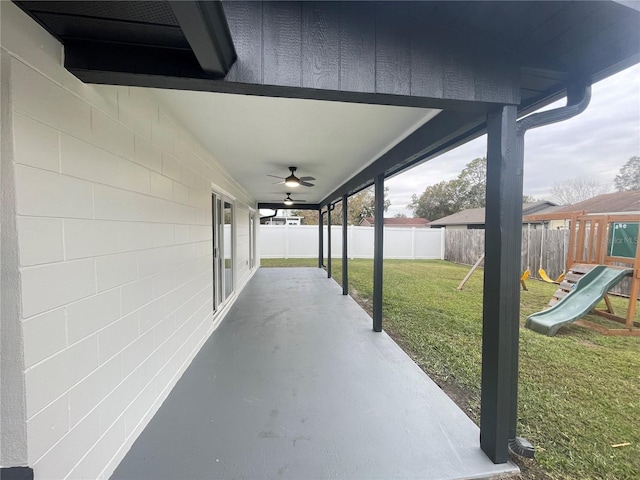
pixel 541 272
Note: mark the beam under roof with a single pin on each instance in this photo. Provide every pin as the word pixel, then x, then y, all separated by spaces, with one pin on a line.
pixel 153 43
pixel 282 206
pixel 205 27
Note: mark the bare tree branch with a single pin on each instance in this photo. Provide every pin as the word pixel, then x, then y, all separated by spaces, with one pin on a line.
pixel 575 190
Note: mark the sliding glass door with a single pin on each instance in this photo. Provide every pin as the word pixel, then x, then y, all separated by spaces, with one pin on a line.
pixel 223 255
pixel 228 249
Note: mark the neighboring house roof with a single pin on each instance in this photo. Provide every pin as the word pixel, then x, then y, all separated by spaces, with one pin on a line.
pixel 471 216
pixel 548 209
pixel 475 216
pixel 398 222
pixel 618 202
pixel 539 207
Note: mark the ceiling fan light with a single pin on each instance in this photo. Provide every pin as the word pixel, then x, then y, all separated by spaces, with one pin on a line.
pixel 292 181
pixel 288 201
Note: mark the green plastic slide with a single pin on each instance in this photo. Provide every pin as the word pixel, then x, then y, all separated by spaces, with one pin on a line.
pixel 586 294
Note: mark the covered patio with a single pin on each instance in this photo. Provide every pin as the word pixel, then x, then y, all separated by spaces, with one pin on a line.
pixel 143 138
pixel 296 385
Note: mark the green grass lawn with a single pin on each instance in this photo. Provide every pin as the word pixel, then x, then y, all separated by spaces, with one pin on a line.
pixel 579 391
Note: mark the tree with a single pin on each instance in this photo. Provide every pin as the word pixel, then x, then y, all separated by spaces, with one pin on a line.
pixel 575 190
pixel 474 183
pixel 468 190
pixel 309 217
pixel 336 215
pixel 446 198
pixel 400 215
pixel 361 205
pixel 629 177
pixel 439 200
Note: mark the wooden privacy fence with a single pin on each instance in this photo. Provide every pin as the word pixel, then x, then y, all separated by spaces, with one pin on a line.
pixel 466 246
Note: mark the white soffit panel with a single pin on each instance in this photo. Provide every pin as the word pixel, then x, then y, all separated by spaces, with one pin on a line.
pixel 253 136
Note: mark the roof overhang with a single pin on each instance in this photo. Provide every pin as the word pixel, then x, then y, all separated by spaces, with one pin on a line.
pixel 135 43
pixel 461 59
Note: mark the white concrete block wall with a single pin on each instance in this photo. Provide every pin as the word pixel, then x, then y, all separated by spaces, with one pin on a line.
pixel 114 237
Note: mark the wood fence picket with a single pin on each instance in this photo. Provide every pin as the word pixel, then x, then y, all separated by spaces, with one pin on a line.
pixel 466 246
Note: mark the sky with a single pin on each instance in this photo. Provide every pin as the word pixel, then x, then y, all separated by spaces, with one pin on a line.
pixel 595 144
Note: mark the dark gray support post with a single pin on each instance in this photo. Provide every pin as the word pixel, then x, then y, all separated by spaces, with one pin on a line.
pixel 345 232
pixel 320 239
pixel 377 252
pixel 501 303
pixel 329 208
pixel 578 98
pixel 501 300
pixel 16 473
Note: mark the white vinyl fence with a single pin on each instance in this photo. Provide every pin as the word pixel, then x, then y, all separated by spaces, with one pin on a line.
pixel 285 241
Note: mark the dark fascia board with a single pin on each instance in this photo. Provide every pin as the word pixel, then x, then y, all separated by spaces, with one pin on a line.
pixel 205 27
pixel 154 67
pixel 618 67
pixel 330 95
pixel 282 206
pixel 364 47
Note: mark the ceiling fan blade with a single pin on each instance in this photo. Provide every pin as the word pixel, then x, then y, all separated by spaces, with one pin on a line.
pixel 278 183
pixel 306 184
pixel 298 201
pixel 275 176
pixel 307 179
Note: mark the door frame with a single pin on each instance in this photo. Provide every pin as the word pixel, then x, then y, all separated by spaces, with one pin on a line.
pixel 218 200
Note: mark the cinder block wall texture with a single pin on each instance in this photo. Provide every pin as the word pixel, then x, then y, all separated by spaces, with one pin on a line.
pixel 113 210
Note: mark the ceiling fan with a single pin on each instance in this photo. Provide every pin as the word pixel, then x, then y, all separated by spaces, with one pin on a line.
pixel 292 180
pixel 291 201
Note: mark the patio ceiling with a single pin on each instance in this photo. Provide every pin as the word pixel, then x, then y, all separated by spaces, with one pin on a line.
pixel 253 137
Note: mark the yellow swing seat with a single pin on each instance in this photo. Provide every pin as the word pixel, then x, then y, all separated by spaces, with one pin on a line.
pixel 545 277
pixel 524 276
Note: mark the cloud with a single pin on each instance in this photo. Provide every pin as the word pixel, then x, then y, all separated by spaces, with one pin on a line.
pixel 595 143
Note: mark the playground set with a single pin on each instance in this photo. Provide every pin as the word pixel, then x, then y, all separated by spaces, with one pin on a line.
pixel 603 250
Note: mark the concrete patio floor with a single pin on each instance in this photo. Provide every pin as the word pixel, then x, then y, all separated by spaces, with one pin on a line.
pixel 295 384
